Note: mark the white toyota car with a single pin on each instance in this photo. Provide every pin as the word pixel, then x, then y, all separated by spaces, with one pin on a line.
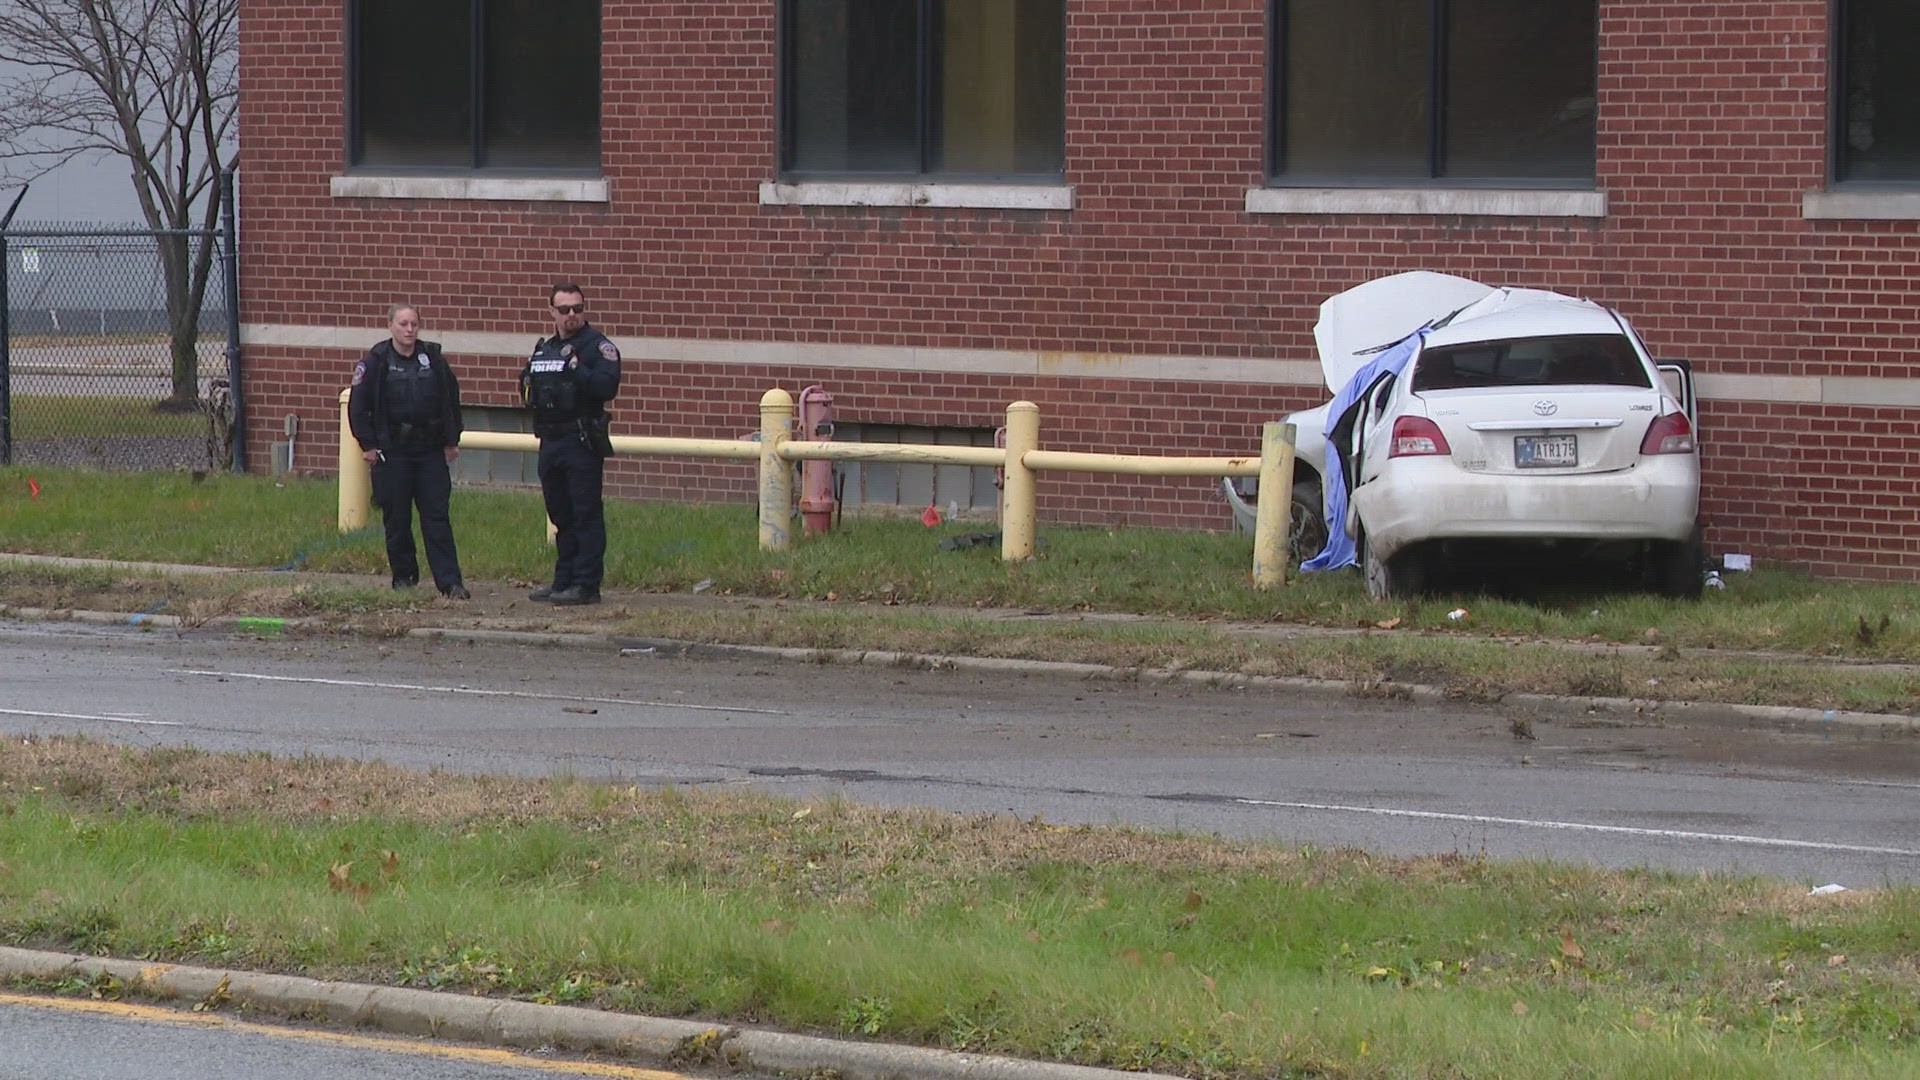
pixel 1528 427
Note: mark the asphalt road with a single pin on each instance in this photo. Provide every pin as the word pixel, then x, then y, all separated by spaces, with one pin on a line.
pixel 44 1039
pixel 1816 803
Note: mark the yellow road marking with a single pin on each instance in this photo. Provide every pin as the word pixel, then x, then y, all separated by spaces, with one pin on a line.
pixel 443 1051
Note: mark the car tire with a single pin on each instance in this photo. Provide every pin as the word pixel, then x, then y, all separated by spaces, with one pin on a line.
pixel 1389 579
pixel 1307 527
pixel 1678 568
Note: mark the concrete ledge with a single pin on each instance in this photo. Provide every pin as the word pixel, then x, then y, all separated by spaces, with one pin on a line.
pixel 778 1053
pixel 937 196
pixel 663 1043
pixel 1443 202
pixel 837 357
pixel 1860 206
pixel 263 624
pixel 474 188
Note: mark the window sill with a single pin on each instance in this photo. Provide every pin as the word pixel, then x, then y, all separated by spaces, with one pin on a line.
pixel 938 196
pixel 1860 206
pixel 511 188
pixel 1462 202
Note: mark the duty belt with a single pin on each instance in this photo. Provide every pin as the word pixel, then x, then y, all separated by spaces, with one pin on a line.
pixel 548 429
pixel 426 432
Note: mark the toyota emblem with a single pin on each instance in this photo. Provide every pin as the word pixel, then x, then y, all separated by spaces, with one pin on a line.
pixel 1546 408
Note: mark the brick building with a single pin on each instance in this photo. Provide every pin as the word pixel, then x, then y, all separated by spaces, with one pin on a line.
pixel 1124 210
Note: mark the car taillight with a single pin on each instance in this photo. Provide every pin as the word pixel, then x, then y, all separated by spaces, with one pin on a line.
pixel 1669 434
pixel 1417 436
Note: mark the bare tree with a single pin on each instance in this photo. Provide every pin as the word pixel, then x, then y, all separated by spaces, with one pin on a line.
pixel 155 82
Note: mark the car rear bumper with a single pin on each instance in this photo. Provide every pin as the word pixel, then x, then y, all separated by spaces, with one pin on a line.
pixel 1420 499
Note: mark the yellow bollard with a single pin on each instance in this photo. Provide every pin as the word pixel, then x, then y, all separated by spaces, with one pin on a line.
pixel 1273 521
pixel 776 476
pixel 1017 496
pixel 356 477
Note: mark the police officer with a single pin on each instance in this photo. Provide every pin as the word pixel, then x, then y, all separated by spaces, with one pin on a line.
pixel 404 408
pixel 567 383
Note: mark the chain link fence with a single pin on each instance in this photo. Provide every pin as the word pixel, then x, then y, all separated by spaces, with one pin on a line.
pixel 109 359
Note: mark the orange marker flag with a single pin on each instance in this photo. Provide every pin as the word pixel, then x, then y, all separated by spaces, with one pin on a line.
pixel 33 486
pixel 930 516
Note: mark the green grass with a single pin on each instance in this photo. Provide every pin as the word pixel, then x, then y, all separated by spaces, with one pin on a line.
pixel 258 522
pixel 77 417
pixel 1098 946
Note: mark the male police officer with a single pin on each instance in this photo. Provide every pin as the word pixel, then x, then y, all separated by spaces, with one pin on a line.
pixel 568 382
pixel 405 412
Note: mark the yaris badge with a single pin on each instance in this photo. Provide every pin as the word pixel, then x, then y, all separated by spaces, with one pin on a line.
pixel 1546 408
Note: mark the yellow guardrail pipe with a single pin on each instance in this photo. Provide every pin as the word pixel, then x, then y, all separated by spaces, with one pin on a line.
pixel 990 457
pixel 1137 465
pixel 1022 459
pixel 1018 488
pixel 776 479
pixel 1273 516
pixel 356 477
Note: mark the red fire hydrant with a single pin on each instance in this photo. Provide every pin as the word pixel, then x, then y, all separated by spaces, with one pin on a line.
pixel 815 424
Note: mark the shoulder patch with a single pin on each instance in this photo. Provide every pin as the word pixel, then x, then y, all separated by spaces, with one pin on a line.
pixel 607 350
pixel 359 372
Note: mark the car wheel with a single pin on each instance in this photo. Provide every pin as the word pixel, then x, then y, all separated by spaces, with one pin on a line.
pixel 1403 575
pixel 1307 528
pixel 1677 568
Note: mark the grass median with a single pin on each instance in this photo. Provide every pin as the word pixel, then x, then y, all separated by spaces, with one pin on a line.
pixel 868 583
pixel 1092 945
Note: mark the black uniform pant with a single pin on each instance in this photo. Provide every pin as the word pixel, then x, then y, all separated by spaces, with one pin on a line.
pixel 410 476
pixel 570 482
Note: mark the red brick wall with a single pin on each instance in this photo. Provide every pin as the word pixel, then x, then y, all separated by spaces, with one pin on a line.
pixel 1712 125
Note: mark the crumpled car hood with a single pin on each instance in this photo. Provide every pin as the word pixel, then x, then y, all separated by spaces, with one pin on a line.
pixel 1357 324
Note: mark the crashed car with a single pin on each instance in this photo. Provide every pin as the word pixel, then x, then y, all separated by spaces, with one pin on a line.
pixel 1477 429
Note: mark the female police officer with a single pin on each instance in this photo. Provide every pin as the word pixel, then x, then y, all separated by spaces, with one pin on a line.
pixel 404 408
pixel 567 383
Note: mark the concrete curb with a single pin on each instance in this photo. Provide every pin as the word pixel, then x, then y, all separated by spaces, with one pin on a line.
pixel 668 648
pixel 180 569
pixel 168 622
pixel 653 1041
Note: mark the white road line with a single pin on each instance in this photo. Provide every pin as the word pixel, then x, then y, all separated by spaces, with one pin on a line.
pixel 472 691
pixel 85 716
pixel 1576 826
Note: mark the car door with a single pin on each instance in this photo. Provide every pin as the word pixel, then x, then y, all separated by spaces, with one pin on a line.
pixel 1678 376
pixel 1373 429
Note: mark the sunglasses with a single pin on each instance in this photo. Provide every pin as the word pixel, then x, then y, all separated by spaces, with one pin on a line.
pixel 570 309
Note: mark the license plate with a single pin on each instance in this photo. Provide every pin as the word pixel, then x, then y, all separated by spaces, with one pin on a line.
pixel 1545 451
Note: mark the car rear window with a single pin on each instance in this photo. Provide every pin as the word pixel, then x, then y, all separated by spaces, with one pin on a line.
pixel 1572 360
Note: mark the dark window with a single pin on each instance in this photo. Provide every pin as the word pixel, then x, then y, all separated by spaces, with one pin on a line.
pixel 1434 90
pixel 910 87
pixel 1574 360
pixel 477 84
pixel 1878 90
